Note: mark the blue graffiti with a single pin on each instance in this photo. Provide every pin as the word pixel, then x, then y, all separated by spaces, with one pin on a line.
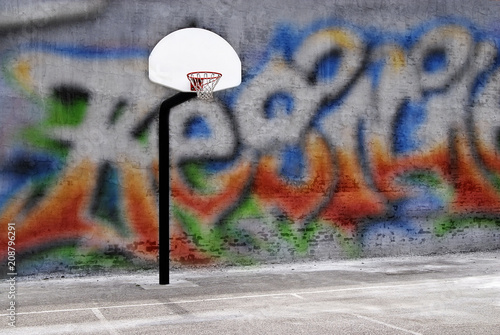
pixel 197 127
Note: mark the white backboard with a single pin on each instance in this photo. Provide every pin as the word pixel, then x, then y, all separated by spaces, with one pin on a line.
pixel 189 50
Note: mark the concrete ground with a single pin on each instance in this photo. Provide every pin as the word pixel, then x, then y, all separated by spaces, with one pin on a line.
pixel 450 294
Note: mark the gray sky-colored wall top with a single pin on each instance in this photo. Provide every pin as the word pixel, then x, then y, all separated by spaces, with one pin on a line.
pixel 244 23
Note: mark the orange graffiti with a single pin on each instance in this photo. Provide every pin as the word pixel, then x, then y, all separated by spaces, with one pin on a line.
pixel 208 207
pixel 489 156
pixel 297 201
pixel 386 168
pixel 183 250
pixel 58 217
pixel 140 207
pixel 473 192
pixel 353 199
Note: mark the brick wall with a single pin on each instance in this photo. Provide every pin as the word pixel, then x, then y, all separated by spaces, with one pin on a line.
pixel 361 128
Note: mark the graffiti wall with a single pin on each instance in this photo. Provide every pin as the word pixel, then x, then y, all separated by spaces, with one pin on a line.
pixel 344 140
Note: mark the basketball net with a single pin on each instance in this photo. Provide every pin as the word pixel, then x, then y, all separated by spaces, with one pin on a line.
pixel 203 82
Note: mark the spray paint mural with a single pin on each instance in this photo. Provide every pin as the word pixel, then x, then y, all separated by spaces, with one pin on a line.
pixel 342 142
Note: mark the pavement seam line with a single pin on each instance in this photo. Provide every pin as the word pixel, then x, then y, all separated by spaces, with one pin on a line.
pixel 386 324
pixel 104 321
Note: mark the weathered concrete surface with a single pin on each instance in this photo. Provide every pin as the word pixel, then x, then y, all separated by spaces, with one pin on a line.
pixel 448 294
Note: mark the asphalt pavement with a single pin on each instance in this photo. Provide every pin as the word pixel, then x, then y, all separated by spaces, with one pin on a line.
pixel 446 294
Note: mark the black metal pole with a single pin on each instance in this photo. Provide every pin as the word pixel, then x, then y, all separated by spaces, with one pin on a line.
pixel 164 183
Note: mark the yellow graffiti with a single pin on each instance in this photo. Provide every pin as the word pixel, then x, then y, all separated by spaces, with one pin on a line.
pixel 340 37
pixel 22 72
pixel 397 60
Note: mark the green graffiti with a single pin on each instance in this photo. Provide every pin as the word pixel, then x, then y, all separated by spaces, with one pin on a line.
pixel 118 112
pixel 348 241
pixel 216 241
pixel 58 113
pixel 208 240
pixel 65 113
pixel 38 138
pixel 424 178
pixel 495 181
pixel 198 178
pixel 299 238
pixel 249 208
pixel 432 181
pixel 447 224
pixel 143 139
pixel 78 259
pixel 350 244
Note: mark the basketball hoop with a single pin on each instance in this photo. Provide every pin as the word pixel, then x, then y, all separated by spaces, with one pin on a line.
pixel 203 82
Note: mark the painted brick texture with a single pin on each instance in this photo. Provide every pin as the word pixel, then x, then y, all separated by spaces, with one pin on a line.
pixel 361 128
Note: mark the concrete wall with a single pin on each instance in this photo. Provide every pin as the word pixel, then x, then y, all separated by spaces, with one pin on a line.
pixel 361 128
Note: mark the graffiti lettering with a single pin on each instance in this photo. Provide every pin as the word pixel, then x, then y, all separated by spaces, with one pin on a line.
pixel 339 133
